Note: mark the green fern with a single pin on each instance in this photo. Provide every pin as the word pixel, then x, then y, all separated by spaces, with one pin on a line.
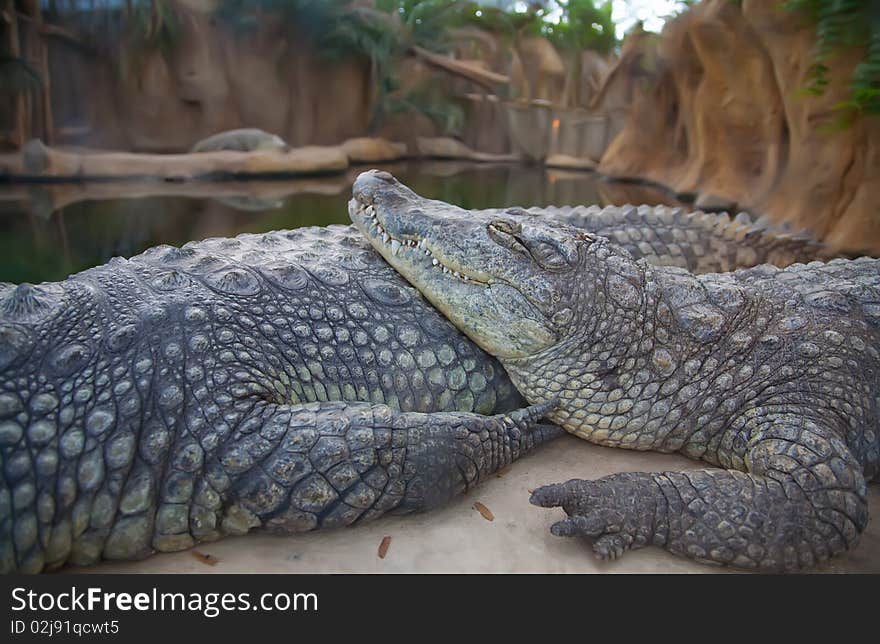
pixel 842 25
pixel 585 24
pixel 429 99
pixel 337 29
pixel 152 25
pixel 17 76
pixel 123 32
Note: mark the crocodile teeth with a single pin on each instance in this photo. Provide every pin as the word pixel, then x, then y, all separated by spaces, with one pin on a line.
pixel 371 211
pixel 385 236
pixel 434 261
pixel 395 247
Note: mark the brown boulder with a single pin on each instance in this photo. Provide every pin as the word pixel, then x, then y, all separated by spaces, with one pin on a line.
pixel 372 150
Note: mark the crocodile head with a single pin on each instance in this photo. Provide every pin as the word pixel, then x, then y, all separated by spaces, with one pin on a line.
pixel 516 283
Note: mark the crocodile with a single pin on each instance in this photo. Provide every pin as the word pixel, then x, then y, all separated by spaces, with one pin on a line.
pixel 286 381
pixel 241 140
pixel 768 374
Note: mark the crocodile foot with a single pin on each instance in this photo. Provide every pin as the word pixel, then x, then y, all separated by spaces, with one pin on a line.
pixel 606 512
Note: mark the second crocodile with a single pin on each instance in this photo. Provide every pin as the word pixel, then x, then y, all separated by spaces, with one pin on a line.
pixel 771 375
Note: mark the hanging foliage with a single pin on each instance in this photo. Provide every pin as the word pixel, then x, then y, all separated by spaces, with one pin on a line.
pixel 17 76
pixel 584 24
pixel 843 25
pixel 125 32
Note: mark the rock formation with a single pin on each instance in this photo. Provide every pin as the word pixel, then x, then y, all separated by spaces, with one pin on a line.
pixel 717 112
pixel 218 77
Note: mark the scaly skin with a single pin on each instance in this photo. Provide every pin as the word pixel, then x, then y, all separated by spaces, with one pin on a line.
pixel 191 393
pixel 770 375
pixel 288 381
pixel 697 241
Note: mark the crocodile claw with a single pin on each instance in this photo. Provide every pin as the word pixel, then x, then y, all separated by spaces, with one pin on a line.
pixel 549 496
pixel 601 511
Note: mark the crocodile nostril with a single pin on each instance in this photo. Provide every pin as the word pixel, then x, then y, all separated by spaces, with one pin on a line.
pixel 385 176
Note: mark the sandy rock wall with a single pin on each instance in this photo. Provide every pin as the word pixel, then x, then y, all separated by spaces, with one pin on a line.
pixel 215 79
pixel 717 112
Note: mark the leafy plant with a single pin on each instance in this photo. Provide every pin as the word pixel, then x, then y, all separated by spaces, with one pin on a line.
pixel 843 25
pixel 124 32
pixel 335 27
pixel 149 25
pixel 429 99
pixel 153 24
pixel 17 76
pixel 584 25
pixel 336 30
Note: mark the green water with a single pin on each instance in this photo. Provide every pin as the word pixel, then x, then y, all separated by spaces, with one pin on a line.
pixel 48 232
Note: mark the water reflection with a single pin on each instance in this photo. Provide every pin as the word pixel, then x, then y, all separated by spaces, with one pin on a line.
pixel 49 231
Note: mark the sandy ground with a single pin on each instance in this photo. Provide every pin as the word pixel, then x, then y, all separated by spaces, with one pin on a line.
pixel 458 538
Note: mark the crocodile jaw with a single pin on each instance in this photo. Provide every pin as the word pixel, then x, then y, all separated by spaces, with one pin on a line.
pixel 490 310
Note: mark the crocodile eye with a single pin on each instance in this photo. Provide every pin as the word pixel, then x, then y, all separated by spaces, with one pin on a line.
pixel 505 227
pixel 547 255
pixel 504 233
